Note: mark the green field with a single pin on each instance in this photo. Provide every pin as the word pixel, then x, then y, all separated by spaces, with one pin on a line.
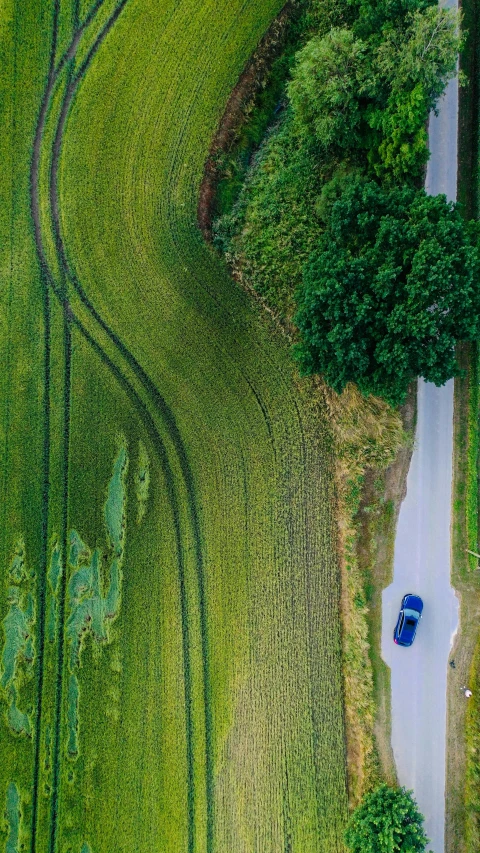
pixel 170 674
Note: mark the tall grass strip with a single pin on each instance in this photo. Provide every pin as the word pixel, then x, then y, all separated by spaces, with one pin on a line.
pixel 472 485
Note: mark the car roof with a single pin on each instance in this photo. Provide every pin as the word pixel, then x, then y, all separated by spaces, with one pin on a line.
pixel 413 602
pixel 406 630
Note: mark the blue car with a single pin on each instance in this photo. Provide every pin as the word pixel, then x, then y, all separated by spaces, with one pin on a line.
pixel 408 619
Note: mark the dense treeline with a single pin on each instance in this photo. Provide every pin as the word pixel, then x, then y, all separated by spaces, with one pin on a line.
pixel 332 226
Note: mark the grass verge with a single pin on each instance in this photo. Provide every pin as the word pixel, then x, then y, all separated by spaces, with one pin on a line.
pixel 462 796
pixel 373 448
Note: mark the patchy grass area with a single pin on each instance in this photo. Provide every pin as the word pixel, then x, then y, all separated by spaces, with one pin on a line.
pixel 178 652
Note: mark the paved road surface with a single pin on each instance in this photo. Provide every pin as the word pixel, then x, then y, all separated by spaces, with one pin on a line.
pixel 422 559
pixel 422 565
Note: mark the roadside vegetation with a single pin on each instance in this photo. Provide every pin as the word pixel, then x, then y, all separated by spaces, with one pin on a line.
pixel 333 234
pixel 368 436
pixel 337 185
pixel 387 821
pixel 463 800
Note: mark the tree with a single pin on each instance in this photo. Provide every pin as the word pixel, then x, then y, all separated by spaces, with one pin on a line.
pixel 387 821
pixel 391 287
pixel 411 67
pixel 324 88
pixel 375 94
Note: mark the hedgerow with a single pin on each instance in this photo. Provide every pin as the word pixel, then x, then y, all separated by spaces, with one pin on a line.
pixel 360 93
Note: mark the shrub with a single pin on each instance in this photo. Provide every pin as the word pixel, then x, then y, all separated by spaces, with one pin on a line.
pixel 324 90
pixel 387 821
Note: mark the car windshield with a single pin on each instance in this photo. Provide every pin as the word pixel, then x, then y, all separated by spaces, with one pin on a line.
pixel 411 614
pixel 411 618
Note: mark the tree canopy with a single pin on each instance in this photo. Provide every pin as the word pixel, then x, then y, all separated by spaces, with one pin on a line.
pixel 391 287
pixel 324 91
pixel 374 93
pixel 387 821
pixel 332 218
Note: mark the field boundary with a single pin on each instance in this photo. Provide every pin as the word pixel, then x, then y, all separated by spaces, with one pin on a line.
pixel 235 114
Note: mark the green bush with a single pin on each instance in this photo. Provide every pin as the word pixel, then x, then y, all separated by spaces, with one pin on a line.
pixel 325 90
pixel 387 821
pixel 411 67
pixel 377 305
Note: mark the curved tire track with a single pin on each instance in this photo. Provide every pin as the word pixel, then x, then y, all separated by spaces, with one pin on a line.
pixel 133 396
pixel 45 479
pixel 159 402
pixel 157 399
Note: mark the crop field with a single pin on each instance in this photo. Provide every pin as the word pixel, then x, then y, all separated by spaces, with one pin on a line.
pixel 170 649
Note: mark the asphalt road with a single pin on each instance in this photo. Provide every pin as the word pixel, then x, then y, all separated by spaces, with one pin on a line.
pixel 422 559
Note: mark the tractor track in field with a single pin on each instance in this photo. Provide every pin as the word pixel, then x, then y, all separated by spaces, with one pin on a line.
pixel 45 473
pixel 172 428
pixel 160 407
pixel 166 414
pixel 147 420
pixel 67 350
pixel 67 345
pixel 8 358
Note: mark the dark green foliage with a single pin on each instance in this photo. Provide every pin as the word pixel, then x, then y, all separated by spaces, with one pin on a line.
pixel 391 287
pixel 412 66
pixel 387 821
pixel 372 15
pixel 331 214
pixel 374 94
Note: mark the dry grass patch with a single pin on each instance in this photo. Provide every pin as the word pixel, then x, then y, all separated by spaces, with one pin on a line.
pixel 369 435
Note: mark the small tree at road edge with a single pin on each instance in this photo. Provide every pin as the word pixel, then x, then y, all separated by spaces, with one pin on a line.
pixel 386 821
